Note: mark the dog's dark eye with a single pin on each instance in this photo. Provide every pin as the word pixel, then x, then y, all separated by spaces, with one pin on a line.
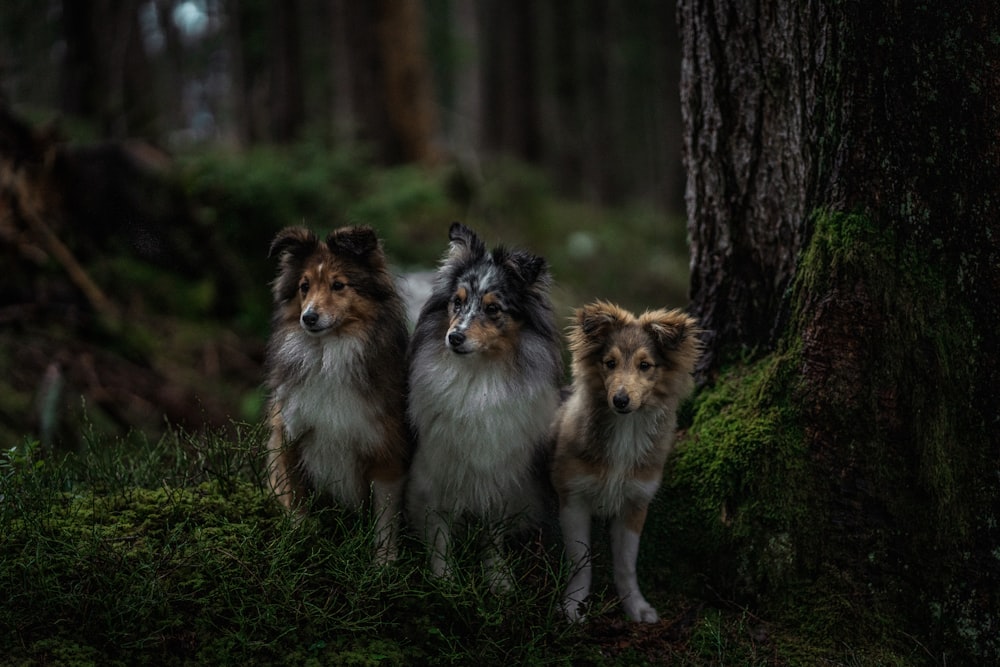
pixel 492 309
pixel 304 287
pixel 337 285
pixel 457 303
pixel 645 365
pixel 610 364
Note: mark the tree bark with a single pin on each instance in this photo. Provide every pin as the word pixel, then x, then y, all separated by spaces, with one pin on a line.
pixel 749 80
pixel 105 71
pixel 408 93
pixel 510 120
pixel 467 124
pixel 843 172
pixel 287 97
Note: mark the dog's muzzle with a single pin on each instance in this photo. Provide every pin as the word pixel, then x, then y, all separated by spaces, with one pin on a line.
pixel 456 342
pixel 311 322
pixel 621 402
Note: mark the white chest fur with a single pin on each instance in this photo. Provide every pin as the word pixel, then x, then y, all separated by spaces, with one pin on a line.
pixel 479 425
pixel 323 409
pixel 628 442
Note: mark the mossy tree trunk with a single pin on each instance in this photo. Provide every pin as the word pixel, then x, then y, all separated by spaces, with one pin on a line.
pixel 843 179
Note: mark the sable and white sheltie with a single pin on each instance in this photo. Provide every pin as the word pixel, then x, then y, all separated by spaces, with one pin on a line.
pixel 337 376
pixel 613 435
pixel 485 367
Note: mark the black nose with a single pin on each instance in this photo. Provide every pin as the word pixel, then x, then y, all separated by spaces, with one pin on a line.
pixel 309 318
pixel 456 338
pixel 620 400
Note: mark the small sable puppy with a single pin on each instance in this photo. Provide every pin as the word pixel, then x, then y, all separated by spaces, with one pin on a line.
pixel 337 376
pixel 613 435
pixel 484 374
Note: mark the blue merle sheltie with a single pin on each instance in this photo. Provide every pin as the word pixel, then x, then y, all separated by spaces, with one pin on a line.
pixel 336 364
pixel 485 367
pixel 613 435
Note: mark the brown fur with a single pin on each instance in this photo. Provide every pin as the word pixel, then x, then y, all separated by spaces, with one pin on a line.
pixel 342 374
pixel 615 431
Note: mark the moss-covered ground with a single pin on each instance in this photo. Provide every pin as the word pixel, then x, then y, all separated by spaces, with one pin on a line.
pixel 126 541
pixel 174 552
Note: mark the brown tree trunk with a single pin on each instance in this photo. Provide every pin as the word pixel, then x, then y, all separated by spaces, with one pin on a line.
pixel 511 99
pixel 751 114
pixel 287 98
pixel 106 76
pixel 843 172
pixel 409 94
pixel 386 79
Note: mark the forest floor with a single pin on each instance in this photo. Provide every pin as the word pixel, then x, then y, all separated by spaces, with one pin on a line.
pixel 136 528
pixel 176 553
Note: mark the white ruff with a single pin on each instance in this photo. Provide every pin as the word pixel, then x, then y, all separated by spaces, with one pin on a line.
pixel 479 427
pixel 324 410
pixel 627 442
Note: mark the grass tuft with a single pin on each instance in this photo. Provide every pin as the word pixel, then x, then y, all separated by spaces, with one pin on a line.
pixel 174 552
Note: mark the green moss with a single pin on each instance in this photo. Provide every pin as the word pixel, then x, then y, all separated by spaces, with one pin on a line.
pixel 920 359
pixel 720 506
pixel 849 489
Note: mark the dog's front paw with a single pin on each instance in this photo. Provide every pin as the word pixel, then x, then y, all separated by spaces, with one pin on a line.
pixel 574 610
pixel 501 581
pixel 386 554
pixel 441 568
pixel 640 611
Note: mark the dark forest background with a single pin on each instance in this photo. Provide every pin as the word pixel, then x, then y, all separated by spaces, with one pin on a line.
pixel 815 182
pixel 585 89
pixel 151 149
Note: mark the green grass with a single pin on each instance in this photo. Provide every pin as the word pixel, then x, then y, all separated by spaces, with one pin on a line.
pixel 173 552
pixel 179 554
pixel 160 546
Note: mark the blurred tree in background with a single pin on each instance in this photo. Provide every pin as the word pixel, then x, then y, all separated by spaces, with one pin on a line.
pixel 584 89
pixel 149 150
pixel 840 175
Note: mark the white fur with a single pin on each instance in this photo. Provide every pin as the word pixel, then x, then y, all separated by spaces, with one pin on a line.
pixel 625 552
pixel 574 518
pixel 478 434
pixel 630 438
pixel 479 427
pixel 323 409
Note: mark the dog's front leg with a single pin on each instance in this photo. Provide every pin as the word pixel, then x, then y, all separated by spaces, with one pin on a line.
pixel 279 464
pixel 574 518
pixel 385 504
pixel 498 570
pixel 437 534
pixel 625 531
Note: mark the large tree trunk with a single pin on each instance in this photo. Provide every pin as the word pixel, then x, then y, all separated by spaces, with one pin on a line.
pixel 409 95
pixel 843 172
pixel 751 114
pixel 388 78
pixel 465 124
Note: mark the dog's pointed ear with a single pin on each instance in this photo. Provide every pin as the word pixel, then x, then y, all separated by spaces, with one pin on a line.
pixel 669 328
pixel 596 319
pixel 464 244
pixel 358 242
pixel 291 246
pixel 524 266
pixel 291 241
